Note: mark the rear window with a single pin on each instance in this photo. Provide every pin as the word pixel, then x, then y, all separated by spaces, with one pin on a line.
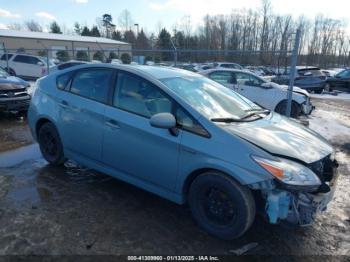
pixel 310 72
pixel 67 65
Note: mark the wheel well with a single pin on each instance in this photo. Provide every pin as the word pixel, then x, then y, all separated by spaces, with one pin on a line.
pixel 39 124
pixel 285 101
pixel 191 177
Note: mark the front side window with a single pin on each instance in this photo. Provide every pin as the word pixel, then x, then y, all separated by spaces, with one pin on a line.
pixel 139 96
pixel 210 98
pixel 248 79
pixel 222 77
pixel 92 83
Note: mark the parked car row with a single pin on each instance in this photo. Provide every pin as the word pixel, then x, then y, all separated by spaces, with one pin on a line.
pixel 188 139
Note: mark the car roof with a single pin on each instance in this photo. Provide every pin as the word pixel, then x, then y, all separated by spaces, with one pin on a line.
pixel 224 69
pixel 157 72
pixel 301 68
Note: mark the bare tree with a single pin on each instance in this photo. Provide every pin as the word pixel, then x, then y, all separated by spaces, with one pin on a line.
pixel 33 26
pixel 125 20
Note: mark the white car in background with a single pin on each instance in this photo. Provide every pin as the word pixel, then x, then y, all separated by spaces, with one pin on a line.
pixel 116 61
pixel 228 65
pixel 264 93
pixel 24 65
pixel 66 65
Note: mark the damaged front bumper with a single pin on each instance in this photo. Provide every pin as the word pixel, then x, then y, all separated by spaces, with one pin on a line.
pixel 307 107
pixel 298 208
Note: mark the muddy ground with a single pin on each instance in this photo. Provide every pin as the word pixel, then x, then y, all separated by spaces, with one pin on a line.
pixel 72 210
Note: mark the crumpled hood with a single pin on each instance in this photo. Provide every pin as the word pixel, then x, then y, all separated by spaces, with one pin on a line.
pixel 280 136
pixel 295 89
pixel 12 82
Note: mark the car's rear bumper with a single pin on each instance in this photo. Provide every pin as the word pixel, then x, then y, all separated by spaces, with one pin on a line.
pixel 15 104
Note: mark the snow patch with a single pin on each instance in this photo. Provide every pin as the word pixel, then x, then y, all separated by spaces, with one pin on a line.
pixel 342 96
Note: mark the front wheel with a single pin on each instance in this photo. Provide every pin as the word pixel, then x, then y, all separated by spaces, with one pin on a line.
pixel 50 144
pixel 221 206
pixel 281 108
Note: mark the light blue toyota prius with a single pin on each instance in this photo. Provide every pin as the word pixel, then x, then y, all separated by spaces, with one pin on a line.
pixel 185 138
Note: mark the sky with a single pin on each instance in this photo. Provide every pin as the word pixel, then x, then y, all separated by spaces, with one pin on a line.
pixel 150 14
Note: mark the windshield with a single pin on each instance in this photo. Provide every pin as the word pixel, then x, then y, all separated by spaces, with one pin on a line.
pixel 3 73
pixel 210 98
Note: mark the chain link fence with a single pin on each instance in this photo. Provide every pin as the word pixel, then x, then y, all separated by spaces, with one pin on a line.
pixel 192 59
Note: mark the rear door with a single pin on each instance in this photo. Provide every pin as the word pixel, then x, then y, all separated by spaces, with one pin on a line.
pixel 82 109
pixel 131 145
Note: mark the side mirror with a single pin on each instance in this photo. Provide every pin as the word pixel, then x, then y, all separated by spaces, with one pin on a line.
pixel 163 120
pixel 266 85
pixel 40 63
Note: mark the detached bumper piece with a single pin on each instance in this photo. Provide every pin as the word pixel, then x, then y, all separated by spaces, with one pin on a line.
pixel 301 208
pixel 307 107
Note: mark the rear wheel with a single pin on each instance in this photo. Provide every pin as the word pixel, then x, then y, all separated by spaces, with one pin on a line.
pixel 328 87
pixel 221 206
pixel 50 144
pixel 281 108
pixel 11 72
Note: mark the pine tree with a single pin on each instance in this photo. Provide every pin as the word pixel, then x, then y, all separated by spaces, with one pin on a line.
pixel 95 32
pixel 117 35
pixel 85 31
pixel 55 28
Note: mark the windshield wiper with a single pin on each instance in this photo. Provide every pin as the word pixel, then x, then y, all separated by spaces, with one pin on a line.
pixel 260 110
pixel 255 112
pixel 226 119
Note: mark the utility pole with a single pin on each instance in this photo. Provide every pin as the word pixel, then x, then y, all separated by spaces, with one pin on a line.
pixel 175 52
pixel 292 72
pixel 137 28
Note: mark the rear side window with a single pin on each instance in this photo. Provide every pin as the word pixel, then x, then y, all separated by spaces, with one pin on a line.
pixel 3 57
pixel 63 80
pixel 92 83
pixel 26 59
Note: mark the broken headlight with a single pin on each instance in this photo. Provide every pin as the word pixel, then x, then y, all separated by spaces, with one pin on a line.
pixel 290 173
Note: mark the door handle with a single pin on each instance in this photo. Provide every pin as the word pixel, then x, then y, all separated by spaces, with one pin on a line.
pixel 113 124
pixel 63 104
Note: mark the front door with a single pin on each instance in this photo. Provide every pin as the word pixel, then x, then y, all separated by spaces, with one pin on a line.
pixel 131 145
pixel 250 87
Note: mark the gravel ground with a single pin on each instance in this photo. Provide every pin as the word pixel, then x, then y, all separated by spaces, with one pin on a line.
pixel 72 210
